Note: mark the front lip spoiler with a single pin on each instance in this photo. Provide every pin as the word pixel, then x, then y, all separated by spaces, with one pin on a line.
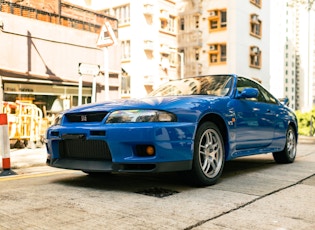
pixel 108 166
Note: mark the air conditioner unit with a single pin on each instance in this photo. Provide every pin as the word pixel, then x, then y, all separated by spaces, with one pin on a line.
pixel 164 15
pixel 255 19
pixel 212 47
pixel 212 13
pixel 165 49
pixel 255 50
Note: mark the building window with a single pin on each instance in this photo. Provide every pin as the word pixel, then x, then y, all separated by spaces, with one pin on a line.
pixel 122 13
pixel 217 19
pixel 255 57
pixel 197 54
pixel 171 24
pixel 256 2
pixel 163 25
pixel 255 25
pixel 217 53
pixel 168 24
pixel 125 50
pixel 196 22
pixel 182 24
pixel 173 57
pixel 125 83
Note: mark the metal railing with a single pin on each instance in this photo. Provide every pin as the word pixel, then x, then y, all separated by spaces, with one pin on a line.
pixel 30 12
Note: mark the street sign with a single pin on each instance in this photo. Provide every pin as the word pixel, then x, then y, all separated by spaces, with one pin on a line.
pixel 89 69
pixel 106 37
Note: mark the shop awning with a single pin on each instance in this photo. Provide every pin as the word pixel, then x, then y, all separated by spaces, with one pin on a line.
pixel 29 77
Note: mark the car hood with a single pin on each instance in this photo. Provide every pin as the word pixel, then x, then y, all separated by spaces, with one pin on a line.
pixel 161 103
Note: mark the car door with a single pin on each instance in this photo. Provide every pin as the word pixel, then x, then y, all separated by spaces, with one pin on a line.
pixel 254 121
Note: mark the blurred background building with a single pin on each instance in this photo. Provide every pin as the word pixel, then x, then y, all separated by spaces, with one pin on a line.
pixel 272 41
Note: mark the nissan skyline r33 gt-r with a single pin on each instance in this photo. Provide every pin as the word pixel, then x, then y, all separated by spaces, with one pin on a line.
pixel 192 124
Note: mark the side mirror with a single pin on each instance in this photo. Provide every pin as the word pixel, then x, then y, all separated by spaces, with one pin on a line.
pixel 248 93
pixel 284 101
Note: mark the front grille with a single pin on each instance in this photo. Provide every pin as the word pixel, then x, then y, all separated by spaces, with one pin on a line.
pixel 84 149
pixel 86 117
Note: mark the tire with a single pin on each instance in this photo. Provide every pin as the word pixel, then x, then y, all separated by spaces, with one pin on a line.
pixel 287 155
pixel 209 155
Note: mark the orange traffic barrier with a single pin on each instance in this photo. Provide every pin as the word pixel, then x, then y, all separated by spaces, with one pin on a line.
pixel 26 123
pixel 5 146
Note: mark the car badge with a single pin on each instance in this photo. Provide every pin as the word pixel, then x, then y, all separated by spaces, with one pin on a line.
pixel 83 118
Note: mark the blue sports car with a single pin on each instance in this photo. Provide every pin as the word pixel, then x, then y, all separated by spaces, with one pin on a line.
pixel 192 125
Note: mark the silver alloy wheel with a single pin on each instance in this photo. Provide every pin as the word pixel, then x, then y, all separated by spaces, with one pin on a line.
pixel 211 153
pixel 291 143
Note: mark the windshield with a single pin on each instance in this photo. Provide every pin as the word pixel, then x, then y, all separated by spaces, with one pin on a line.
pixel 215 85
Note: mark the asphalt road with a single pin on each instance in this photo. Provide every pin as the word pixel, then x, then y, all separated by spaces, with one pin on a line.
pixel 254 193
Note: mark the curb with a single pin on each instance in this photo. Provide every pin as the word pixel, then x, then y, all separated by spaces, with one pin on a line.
pixel 306 140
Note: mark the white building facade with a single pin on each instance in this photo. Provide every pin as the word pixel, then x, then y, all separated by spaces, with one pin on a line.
pixel 148 40
pixel 272 41
pixel 233 38
pixel 305 51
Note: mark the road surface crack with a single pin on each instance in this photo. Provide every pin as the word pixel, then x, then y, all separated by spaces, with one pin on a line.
pixel 248 203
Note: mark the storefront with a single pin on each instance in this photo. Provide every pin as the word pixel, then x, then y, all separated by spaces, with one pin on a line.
pixel 45 96
pixel 50 93
pixel 32 104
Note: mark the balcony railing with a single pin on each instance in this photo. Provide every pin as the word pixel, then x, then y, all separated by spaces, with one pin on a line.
pixel 192 38
pixel 148 80
pixel 148 7
pixel 148 45
pixel 196 11
pixel 164 15
pixel 193 69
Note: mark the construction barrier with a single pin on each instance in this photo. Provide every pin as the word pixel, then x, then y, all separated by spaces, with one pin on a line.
pixel 5 146
pixel 26 123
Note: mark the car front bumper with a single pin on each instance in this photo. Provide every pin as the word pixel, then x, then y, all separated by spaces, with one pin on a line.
pixel 120 147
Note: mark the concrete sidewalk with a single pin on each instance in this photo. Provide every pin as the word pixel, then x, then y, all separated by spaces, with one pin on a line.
pixel 25 158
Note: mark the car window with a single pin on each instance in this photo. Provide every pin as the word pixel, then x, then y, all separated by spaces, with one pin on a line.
pixel 263 94
pixel 215 85
pixel 243 83
pixel 269 98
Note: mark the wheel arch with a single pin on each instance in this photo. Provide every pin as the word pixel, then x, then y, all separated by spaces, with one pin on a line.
pixel 295 128
pixel 219 121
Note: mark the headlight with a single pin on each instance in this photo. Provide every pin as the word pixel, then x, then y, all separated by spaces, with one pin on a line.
pixel 123 116
pixel 57 120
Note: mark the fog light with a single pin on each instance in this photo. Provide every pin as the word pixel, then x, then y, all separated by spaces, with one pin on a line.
pixel 150 150
pixel 144 150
